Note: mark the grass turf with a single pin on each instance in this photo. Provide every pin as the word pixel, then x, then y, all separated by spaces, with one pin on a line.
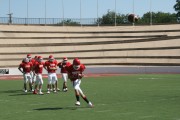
pixel 130 97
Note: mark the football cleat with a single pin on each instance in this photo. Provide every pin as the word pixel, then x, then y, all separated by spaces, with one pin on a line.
pixel 41 93
pixel 58 89
pixel 77 103
pixel 65 89
pixel 25 91
pixel 35 92
pixel 48 92
pixel 90 104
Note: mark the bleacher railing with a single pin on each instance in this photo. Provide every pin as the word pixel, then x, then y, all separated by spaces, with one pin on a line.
pixel 73 21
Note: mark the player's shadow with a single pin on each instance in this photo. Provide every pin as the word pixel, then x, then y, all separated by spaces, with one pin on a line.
pixel 60 108
pixel 11 91
pixel 21 94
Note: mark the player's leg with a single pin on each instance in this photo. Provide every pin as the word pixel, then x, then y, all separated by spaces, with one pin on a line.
pixel 33 80
pixel 49 82
pixel 40 84
pixel 77 88
pixel 36 85
pixel 25 82
pixel 30 82
pixel 56 83
pixel 65 77
pixel 77 94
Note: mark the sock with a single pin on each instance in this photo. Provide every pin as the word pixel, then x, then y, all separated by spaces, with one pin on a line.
pixel 85 99
pixel 77 97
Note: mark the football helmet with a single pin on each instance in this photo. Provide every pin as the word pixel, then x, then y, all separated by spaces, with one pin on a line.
pixel 26 60
pixel 65 59
pixel 29 56
pixel 40 59
pixel 51 58
pixel 76 63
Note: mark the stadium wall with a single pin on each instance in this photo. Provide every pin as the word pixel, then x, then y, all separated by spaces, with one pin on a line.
pixel 121 49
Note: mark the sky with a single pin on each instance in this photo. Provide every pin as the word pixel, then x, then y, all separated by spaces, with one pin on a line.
pixel 71 8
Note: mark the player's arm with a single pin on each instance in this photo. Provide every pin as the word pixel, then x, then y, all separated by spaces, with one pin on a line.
pixel 33 69
pixel 45 67
pixel 20 69
pixel 60 65
pixel 81 75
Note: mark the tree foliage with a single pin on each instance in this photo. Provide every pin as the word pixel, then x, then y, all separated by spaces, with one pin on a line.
pixel 109 18
pixel 177 8
pixel 158 17
pixel 68 22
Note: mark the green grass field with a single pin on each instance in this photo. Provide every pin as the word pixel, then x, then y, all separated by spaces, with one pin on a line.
pixel 129 97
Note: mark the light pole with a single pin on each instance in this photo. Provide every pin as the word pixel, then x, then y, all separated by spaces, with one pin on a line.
pixel 63 11
pixel 150 12
pixel 45 12
pixel 98 12
pixel 133 12
pixel 80 14
pixel 115 14
pixel 27 8
pixel 9 6
pixel 27 11
pixel 10 14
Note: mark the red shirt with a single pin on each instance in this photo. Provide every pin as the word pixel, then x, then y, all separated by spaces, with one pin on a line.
pixel 38 67
pixel 33 61
pixel 27 67
pixel 51 66
pixel 75 73
pixel 63 66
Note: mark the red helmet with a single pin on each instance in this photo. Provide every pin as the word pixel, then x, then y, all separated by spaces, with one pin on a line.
pixel 40 58
pixel 28 55
pixel 76 61
pixel 51 58
pixel 65 58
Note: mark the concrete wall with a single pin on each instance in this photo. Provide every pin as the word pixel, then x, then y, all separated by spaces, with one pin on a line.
pixel 119 46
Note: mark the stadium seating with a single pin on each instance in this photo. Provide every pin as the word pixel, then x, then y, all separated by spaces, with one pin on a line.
pixel 122 45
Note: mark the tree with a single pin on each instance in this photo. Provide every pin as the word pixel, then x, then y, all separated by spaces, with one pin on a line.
pixel 68 22
pixel 177 8
pixel 159 17
pixel 109 18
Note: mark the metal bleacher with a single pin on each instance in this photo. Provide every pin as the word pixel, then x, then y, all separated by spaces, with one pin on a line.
pixel 157 45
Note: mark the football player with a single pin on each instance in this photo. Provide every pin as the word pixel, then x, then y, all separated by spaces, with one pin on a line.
pixel 51 67
pixel 75 73
pixel 34 60
pixel 26 68
pixel 38 69
pixel 62 65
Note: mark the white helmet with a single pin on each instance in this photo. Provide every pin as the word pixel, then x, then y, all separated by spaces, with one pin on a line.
pixel 26 60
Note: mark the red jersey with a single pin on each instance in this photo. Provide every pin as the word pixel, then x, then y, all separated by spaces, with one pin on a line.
pixel 75 73
pixel 51 66
pixel 33 61
pixel 27 67
pixel 38 67
pixel 63 66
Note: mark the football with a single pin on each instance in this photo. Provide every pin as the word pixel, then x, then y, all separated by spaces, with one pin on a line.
pixel 80 76
pixel 132 18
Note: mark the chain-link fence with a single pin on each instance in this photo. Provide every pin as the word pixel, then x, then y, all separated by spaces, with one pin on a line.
pixel 79 22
